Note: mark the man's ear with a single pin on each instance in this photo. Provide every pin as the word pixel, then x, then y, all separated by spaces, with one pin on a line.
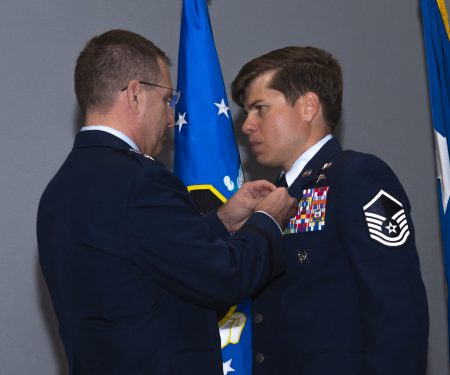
pixel 133 93
pixel 309 105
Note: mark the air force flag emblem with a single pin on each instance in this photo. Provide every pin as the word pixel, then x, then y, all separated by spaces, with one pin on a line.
pixel 386 220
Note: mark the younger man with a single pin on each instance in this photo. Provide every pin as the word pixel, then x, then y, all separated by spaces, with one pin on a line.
pixel 352 300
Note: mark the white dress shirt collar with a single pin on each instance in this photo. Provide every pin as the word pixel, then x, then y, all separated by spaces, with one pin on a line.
pixel 304 158
pixel 112 131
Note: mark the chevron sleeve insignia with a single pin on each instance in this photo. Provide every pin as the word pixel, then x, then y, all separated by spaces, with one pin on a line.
pixel 386 220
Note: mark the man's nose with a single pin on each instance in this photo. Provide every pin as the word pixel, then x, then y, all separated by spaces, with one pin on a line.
pixel 249 125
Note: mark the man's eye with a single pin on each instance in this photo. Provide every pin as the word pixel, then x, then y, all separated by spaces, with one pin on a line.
pixel 260 108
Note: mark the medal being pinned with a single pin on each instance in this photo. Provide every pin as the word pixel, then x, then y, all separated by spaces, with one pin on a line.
pixel 311 210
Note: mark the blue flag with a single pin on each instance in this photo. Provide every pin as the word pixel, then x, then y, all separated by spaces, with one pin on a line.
pixel 206 154
pixel 436 33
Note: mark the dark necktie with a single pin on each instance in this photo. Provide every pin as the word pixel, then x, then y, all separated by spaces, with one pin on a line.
pixel 282 181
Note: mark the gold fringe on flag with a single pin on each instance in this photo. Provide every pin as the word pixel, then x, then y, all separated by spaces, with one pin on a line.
pixel 444 15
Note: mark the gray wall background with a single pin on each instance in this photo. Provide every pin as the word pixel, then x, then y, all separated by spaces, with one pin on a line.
pixel 379 44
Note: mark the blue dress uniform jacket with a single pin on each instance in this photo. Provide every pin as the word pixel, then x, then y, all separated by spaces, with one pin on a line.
pixel 352 301
pixel 133 271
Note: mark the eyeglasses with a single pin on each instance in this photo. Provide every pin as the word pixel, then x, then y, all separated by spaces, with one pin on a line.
pixel 172 101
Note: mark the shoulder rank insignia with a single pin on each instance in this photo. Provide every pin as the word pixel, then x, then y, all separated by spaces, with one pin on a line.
pixel 386 220
pixel 310 214
pixel 140 153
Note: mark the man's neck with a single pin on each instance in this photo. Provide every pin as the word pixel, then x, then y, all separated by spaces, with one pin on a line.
pixel 111 121
pixel 114 132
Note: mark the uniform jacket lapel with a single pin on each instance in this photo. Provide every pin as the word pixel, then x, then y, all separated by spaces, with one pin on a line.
pixel 313 168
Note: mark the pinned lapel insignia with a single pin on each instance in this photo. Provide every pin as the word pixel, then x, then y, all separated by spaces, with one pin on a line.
pixel 386 220
pixel 327 165
pixel 306 173
pixel 302 256
pixel 310 214
pixel 321 177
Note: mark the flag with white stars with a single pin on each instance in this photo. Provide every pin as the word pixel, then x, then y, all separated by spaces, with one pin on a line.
pixel 436 32
pixel 206 154
pixel 205 148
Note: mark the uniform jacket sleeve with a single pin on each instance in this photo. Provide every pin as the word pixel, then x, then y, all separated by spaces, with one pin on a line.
pixel 392 294
pixel 173 245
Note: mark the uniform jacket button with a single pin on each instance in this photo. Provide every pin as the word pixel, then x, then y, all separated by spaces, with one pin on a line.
pixel 258 318
pixel 259 358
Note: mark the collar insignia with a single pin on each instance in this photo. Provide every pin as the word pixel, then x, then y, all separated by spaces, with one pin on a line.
pixel 327 165
pixel 321 177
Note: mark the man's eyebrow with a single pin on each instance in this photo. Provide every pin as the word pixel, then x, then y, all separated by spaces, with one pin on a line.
pixel 253 104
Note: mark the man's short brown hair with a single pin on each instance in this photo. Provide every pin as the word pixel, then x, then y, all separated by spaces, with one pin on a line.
pixel 297 70
pixel 109 61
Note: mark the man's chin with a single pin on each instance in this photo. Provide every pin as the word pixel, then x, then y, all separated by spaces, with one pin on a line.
pixel 264 161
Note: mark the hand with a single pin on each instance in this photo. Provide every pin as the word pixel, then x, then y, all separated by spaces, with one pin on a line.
pixel 280 205
pixel 241 205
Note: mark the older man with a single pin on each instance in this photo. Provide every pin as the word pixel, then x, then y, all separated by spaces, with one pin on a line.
pixel 134 272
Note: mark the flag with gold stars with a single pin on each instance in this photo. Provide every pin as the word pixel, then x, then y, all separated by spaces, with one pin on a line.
pixel 436 32
pixel 206 154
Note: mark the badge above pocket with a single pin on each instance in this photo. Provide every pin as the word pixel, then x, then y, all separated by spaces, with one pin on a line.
pixel 311 211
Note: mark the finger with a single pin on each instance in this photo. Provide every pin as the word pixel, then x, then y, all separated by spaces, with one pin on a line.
pixel 292 212
pixel 263 185
pixel 264 193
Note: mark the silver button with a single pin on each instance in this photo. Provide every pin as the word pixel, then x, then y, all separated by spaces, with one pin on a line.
pixel 258 318
pixel 259 358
